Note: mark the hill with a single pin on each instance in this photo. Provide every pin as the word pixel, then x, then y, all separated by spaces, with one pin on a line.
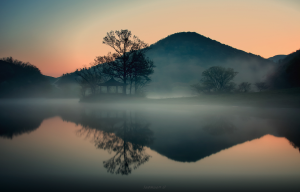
pixel 51 79
pixel 180 59
pixel 287 74
pixel 68 85
pixel 19 79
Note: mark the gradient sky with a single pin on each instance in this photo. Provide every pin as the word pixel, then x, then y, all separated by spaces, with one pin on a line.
pixel 59 36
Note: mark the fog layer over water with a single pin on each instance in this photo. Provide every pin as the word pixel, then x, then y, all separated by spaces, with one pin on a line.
pixel 67 145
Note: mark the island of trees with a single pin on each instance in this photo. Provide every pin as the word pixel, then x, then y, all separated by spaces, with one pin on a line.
pixel 128 67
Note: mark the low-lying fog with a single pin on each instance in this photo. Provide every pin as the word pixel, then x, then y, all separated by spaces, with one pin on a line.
pixel 207 120
pixel 150 142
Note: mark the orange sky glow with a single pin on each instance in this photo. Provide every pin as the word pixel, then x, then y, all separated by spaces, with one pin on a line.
pixel 60 37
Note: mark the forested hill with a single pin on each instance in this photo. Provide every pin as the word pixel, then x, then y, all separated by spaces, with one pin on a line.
pixel 287 75
pixel 19 79
pixel 182 57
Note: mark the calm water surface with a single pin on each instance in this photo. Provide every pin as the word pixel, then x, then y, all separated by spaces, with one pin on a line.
pixel 63 145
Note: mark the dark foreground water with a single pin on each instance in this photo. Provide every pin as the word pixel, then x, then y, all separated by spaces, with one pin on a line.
pixel 63 145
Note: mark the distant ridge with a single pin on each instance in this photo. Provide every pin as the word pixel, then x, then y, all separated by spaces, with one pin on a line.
pixel 277 58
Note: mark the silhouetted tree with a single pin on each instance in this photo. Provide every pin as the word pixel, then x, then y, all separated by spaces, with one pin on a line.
pixel 83 86
pixel 261 86
pixel 216 79
pixel 91 77
pixel 105 59
pixel 125 46
pixel 142 68
pixel 244 87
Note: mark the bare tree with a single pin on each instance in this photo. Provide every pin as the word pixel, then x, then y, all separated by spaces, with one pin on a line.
pixel 92 77
pixel 261 86
pixel 216 79
pixel 125 45
pixel 83 86
pixel 244 87
pixel 103 63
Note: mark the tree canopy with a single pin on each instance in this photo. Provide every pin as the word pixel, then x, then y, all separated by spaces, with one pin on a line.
pixel 261 86
pixel 216 79
pixel 129 63
pixel 244 87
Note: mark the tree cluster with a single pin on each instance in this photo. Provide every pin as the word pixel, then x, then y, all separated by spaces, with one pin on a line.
pixel 90 78
pixel 244 87
pixel 261 86
pixel 128 64
pixel 219 80
pixel 216 80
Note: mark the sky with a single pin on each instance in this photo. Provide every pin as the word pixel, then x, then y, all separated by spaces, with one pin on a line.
pixel 60 36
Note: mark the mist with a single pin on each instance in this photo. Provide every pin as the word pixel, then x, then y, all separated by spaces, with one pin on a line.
pixel 196 139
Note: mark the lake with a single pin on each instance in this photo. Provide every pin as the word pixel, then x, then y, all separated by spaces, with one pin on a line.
pixel 64 145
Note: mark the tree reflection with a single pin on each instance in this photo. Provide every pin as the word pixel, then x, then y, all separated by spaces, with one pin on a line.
pixel 219 126
pixel 126 137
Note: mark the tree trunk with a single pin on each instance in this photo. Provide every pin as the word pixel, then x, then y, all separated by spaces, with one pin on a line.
pixel 130 87
pixel 124 88
pixel 135 86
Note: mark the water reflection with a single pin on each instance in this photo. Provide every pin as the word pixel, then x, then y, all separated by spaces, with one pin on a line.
pixel 219 125
pixel 121 133
pixel 220 147
pixel 126 132
pixel 290 129
pixel 19 119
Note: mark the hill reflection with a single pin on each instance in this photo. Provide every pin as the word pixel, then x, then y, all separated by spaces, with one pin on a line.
pixel 180 136
pixel 217 125
pixel 19 119
pixel 290 129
